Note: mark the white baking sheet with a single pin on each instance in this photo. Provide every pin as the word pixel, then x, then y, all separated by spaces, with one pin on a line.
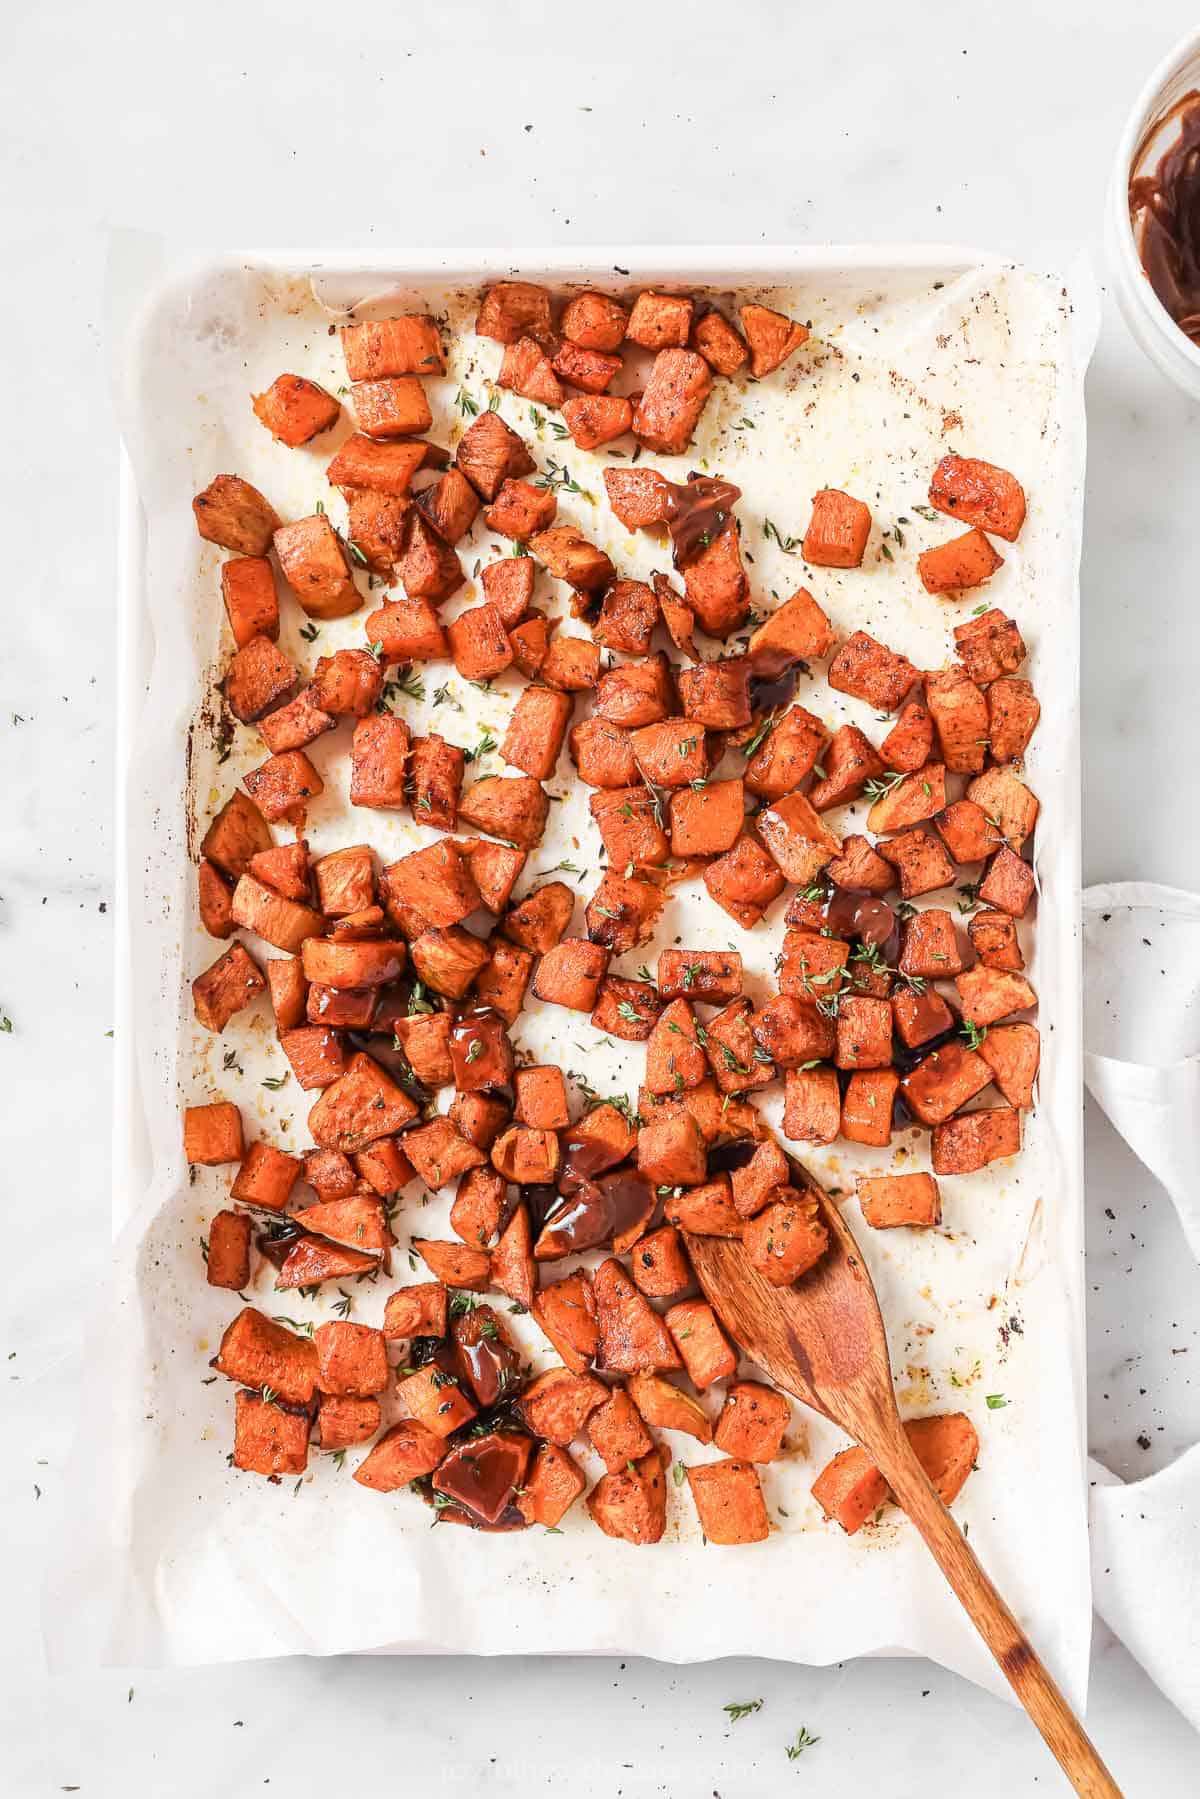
pixel 179 1559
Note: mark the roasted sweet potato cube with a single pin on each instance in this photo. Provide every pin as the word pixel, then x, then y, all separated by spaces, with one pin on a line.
pixel 265 1178
pixel 667 1407
pixel 994 939
pixel 377 527
pixel 513 807
pixel 425 1040
pixel 502 983
pixel 384 1166
pixel 566 1311
pixel 706 1211
pixel 567 555
pixel 658 1263
pixel 315 1054
pixel 716 587
pixel 513 309
pixel 659 320
pixel 923 864
pixel 674 1057
pixel 418 1310
pixel 944 1081
pixel 435 778
pixel 796 839
pixel 772 338
pixel 435 1398
pixel 595 321
pixel 964 829
pixel 889 1200
pixel 616 1430
pixel 429 568
pixel 963 562
pixel 363 463
pixel 909 800
pixel 537 923
pixel 738 1062
pixel 1013 713
pixel 531 643
pixel 440 1154
pixel 1008 803
pixel 786 1238
pixel 707 821
pixel 626 1009
pixel 513 1268
pixel 714 976
pixel 637 693
pixel 850 1489
pixel 792 1032
pixel 603 754
pixel 520 509
pixel 728 1497
pixel 220 993
pixel 947 1447
pixel 294 410
pixel 508 586
pixel 717 694
pixel 723 348
pixel 363 1104
pixel 988 994
pixel 928 945
pixel 674 396
pixel 752 1422
pixel 251 604
pixel 497 868
pixel 552 1486
pixel 908 746
pixel 569 974
pixel 558 1404
pixel 979 493
pixel 313 564
pixel 542 1098
pixel 671 1151
pixel 528 1157
pixel 960 716
pixel 238 832
pixel 1008 884
pixel 282 787
pixel 407 631
pixel 837 531
pixel 813 965
pixel 799 630
pixel 348 683
pixel 744 882
pixel 867 1106
pixel 233 514
pixel 919 1016
pixel 490 453
pixel 393 406
pixel 597 418
pixel 267 1439
pixel 341 1423
pixel 632 1504
pixel 622 913
pixel 787 752
pixel 591 370
pixel 227 1253
pixel 479 1208
pixel 437 881
pixel 969 1142
pixel 628 615
pixel 481 1052
pixel 632 1337
pixel 450 505
pixel 351 1358
pixel 679 619
pixel 293 726
pixel 706 1351
pixel 285 869
pixel 1012 1052
pixel 848 763
pixel 864 1033
pixel 670 753
pixel 455 1264
pixel 479 644
pixel 258 1353
pixel 989 646
pixel 284 923
pixel 639 497
pixel 411 1448
pixel 870 671
pixel 859 868
pixel 407 345
pixel 572 665
pixel 330 1174
pixel 214 898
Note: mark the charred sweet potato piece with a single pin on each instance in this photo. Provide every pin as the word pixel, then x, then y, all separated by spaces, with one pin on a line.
pixel 513 807
pixel 502 983
pixel 566 1311
pixel 674 1056
pixel 628 615
pixel 597 418
pixel 356 1221
pixel 799 630
pixel 864 1033
pixel 313 564
pixel 632 1504
pixel 772 338
pixel 407 631
pixel 394 406
pixel 513 309
pixel 557 1405
pixel 237 833
pixel 923 864
pixel 569 974
pixel 448 959
pixel 626 1009
pixel 552 1486
pixel 361 1105
pixel 603 754
pixel 480 1052
pixel 519 510
pixel 214 898
pixel 342 1008
pixel 490 453
pixel 671 753
pixel 1008 884
pixel 706 1211
pixel 889 1200
pixel 786 1238
pixel 538 922
pixel 988 994
pixel 870 671
pixel 410 344
pixel 265 1178
pixel 591 370
pixel 256 1352
pixel 850 1489
pixel 315 1054
pixel 437 881
pixel 628 819
pixel 377 467
pixel 1013 713
pixel 859 868
pixel 837 531
pixel 910 800
pixel 348 683
pixel 232 982
pixel 994 939
pixel 351 1359
pixel 341 1423
pixel 616 1431
pixel 717 694
pixel 738 1062
pixel 980 494
pixel 497 868
pixel 233 514
pixel 640 497
pixel 384 1166
pixel 293 726
pixel 542 1098
pixel 964 829
pixel 227 1255
pixel 969 1142
pixel 282 787
pixel 435 778
pixel 783 752
pixel 637 693
pixel 572 665
pixel 268 1439
pixel 963 562
pixel 251 604
pixel 928 945
pixel 1008 803
pixel 909 744
pixel 714 976
pixel 659 321
pixel 403 1454
pixel 418 1310
pixel 744 882
pixel 792 1032
pixel 449 505
pixel 752 1422
pixel 285 869
pixel 813 966
pixel 456 1264
pixel 676 390
pixel 658 1263
pixel 622 913
pixel 479 1208
pixel 531 643
pixel 435 1398
pixel 796 839
pixel 848 762
pixel 1012 1052
pixel 379 753
pixel 728 1498
pixel 508 586
pixel 989 646
pixel 595 321
pixel 723 348
pixel 706 1351
pixel 425 1040
pixel 565 553
pixel 376 528
pixel 294 410
pixel 429 568
pixel 960 716
pixel 671 1151
pixel 707 821
pixel 632 1337
pixel 867 1106
pixel 943 1082
pixel 715 586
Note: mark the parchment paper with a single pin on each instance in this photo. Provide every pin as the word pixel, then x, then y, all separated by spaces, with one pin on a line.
pixel 181 1559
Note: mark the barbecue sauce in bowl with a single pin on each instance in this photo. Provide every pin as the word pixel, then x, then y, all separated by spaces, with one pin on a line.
pixel 1164 212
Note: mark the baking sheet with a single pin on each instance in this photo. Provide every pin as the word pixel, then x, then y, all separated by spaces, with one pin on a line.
pixel 181 1559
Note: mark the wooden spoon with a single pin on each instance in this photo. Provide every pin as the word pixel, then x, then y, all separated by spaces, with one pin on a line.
pixel 823 1341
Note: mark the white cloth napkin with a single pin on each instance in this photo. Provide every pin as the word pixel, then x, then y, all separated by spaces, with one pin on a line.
pixel 1141 1033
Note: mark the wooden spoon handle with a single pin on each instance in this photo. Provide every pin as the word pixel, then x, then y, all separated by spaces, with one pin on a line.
pixel 1064 1735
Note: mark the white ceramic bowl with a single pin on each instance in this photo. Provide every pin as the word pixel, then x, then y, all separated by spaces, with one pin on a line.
pixel 1147 318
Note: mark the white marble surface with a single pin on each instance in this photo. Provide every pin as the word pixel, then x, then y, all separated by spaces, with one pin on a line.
pixel 251 123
